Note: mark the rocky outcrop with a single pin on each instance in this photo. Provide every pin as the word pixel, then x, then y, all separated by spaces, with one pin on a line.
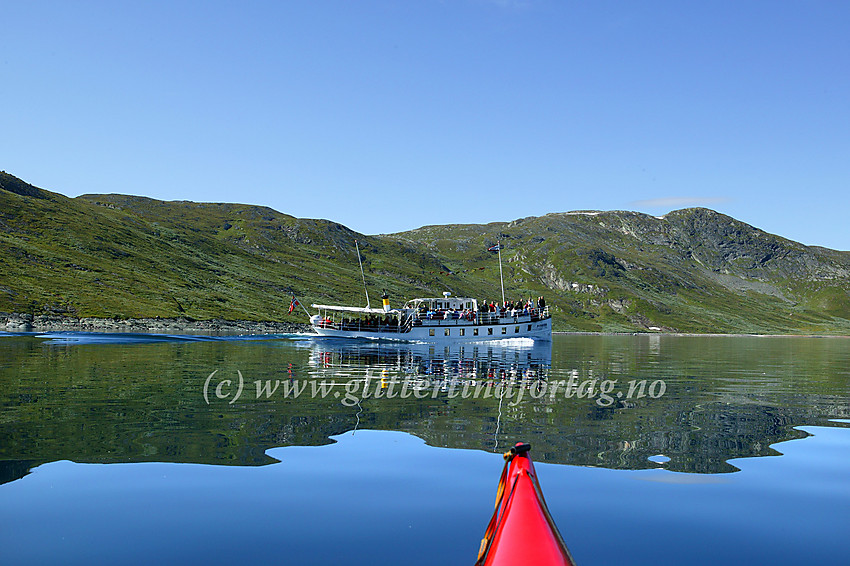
pixel 725 245
pixel 15 185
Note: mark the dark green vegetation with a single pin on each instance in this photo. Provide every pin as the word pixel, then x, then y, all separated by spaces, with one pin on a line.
pixel 695 270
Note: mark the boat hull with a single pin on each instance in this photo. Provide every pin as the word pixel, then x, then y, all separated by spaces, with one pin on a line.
pixel 451 331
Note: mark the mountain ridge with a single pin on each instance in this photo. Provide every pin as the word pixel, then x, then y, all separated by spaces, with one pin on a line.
pixel 692 270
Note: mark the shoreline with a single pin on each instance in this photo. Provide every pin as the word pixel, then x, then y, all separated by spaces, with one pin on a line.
pixel 18 322
pixel 696 334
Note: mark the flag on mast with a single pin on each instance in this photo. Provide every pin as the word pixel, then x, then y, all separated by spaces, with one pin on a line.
pixel 495 248
pixel 292 304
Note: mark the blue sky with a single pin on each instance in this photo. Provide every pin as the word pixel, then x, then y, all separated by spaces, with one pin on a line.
pixel 389 115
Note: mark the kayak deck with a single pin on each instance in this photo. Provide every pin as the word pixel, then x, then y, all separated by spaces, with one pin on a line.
pixel 521 530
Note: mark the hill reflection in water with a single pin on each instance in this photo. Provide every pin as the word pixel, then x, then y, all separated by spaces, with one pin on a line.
pixel 689 403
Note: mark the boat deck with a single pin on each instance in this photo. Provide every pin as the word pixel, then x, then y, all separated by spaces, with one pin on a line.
pixel 428 325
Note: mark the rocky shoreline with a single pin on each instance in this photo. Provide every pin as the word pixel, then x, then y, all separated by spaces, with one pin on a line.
pixel 20 322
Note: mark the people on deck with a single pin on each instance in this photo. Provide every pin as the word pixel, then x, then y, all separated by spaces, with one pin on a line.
pixel 507 308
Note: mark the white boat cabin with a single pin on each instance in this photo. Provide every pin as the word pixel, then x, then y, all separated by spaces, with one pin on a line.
pixel 444 303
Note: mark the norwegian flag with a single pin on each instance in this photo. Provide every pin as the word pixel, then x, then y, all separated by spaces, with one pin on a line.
pixel 292 304
pixel 495 248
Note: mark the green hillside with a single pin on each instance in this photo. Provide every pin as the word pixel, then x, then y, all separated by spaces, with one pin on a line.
pixel 694 270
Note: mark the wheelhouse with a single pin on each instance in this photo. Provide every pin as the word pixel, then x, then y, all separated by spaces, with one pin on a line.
pixel 442 304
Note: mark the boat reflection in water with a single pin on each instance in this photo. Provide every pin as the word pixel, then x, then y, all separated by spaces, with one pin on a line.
pixel 519 361
pixel 404 369
pixel 499 371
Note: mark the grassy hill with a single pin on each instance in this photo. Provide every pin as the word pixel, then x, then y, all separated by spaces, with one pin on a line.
pixel 694 270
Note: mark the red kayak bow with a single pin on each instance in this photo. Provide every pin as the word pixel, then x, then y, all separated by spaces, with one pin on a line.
pixel 521 530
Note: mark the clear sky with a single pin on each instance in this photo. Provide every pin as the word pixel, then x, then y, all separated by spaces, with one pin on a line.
pixel 387 115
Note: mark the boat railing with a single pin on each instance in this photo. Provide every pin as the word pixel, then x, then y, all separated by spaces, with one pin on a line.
pixel 408 324
pixel 444 318
pixel 437 318
pixel 355 325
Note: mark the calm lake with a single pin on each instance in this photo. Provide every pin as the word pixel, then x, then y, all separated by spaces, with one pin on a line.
pixel 139 449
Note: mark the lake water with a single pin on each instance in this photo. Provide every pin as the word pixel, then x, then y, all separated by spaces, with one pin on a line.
pixel 136 449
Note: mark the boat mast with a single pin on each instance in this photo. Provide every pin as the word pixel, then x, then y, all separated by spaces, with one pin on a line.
pixel 501 277
pixel 364 275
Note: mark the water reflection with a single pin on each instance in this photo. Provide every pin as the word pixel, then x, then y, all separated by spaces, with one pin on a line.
pixel 493 360
pixel 375 496
pixel 608 401
pixel 480 370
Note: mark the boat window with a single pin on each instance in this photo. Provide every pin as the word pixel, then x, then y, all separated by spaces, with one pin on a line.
pixel 448 330
pixel 463 331
pixel 504 330
pixel 475 332
pixel 516 329
pixel 529 327
pixel 489 331
pixel 431 332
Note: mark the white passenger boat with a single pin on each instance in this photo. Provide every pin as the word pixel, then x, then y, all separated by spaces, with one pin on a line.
pixel 433 319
